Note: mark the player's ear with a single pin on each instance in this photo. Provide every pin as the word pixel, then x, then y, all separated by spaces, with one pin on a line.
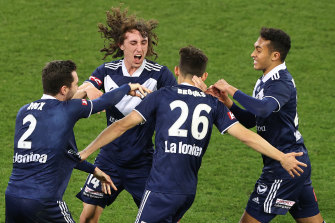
pixel 275 56
pixel 63 90
pixel 176 71
pixel 121 47
pixel 204 76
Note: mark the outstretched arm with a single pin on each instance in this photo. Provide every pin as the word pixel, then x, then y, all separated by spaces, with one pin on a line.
pixel 259 107
pixel 112 132
pixel 87 90
pixel 113 97
pixel 256 142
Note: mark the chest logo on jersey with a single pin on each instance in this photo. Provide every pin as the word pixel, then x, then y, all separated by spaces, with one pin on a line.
pixel 36 106
pixel 182 148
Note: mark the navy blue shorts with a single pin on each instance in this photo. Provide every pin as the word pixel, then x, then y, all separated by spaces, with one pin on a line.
pixel 276 193
pixel 165 208
pixel 22 210
pixel 131 180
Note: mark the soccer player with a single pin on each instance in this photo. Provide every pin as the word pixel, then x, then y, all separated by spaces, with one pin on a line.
pixel 273 110
pixel 184 117
pixel 45 150
pixel 128 159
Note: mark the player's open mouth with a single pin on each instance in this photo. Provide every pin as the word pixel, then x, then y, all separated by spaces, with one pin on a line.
pixel 138 57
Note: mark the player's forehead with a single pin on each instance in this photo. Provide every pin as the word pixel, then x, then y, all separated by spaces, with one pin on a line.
pixel 261 43
pixel 134 35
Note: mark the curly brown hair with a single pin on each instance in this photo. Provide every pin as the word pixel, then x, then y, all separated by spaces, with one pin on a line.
pixel 118 23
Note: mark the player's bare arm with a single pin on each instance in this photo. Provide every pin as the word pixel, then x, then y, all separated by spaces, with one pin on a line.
pixel 111 133
pixel 256 142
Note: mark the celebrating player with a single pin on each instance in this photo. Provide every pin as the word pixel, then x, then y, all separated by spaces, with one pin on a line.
pixel 128 159
pixel 45 150
pixel 184 117
pixel 273 110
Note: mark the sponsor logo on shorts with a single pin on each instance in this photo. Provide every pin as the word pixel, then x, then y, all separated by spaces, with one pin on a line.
pixel 284 203
pixel 261 188
pixel 88 192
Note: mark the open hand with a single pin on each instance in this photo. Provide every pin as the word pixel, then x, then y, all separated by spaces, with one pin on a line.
pixel 105 180
pixel 291 164
pixel 138 90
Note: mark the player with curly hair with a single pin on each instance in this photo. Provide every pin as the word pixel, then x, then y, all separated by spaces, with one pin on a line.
pixel 127 160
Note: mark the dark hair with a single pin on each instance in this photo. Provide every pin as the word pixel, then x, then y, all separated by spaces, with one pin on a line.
pixel 192 61
pixel 56 74
pixel 118 23
pixel 279 41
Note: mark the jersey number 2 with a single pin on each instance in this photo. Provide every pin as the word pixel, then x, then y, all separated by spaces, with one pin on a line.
pixel 175 129
pixel 22 144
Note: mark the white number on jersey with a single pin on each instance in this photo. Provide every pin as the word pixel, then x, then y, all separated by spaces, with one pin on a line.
pixel 22 144
pixel 175 129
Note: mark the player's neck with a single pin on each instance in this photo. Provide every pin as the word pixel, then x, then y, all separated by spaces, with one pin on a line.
pixel 268 69
pixel 185 80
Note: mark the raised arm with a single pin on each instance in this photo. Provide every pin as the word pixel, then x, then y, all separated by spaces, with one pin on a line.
pixel 259 107
pixel 87 90
pixel 256 142
pixel 112 132
pixel 113 97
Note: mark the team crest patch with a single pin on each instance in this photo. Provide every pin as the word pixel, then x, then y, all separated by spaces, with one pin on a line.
pixel 284 203
pixel 261 188
pixel 231 115
pixel 84 102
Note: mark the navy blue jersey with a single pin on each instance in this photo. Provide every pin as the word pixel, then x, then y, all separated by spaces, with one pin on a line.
pixel 280 128
pixel 45 150
pixel 184 118
pixel 134 147
pixel 42 170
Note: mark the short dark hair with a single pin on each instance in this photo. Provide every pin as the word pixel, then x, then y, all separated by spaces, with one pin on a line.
pixel 279 41
pixel 56 74
pixel 192 61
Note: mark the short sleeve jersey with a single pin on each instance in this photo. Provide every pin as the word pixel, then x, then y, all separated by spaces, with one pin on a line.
pixel 45 148
pixel 134 147
pixel 184 120
pixel 280 129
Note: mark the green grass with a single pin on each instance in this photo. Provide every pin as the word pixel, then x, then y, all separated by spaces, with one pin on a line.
pixel 37 31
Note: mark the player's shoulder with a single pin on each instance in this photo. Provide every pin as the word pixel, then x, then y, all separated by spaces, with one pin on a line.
pixel 282 76
pixel 113 65
pixel 153 66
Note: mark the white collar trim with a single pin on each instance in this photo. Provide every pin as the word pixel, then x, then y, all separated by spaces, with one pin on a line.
pixel 137 73
pixel 273 72
pixel 46 96
pixel 187 84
